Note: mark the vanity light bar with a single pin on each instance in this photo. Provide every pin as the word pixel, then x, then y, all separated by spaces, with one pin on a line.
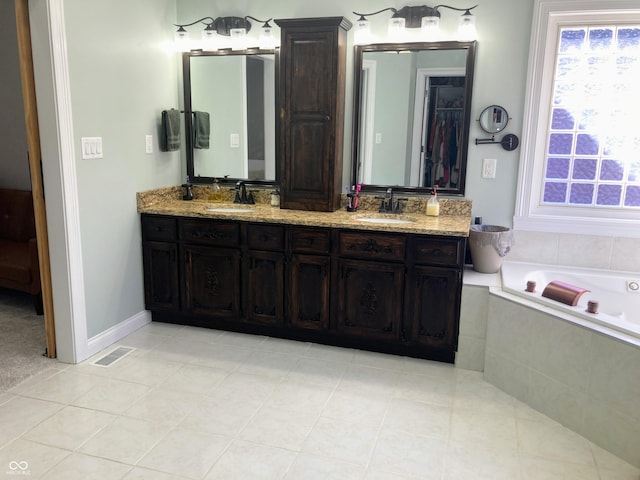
pixel 424 17
pixel 225 32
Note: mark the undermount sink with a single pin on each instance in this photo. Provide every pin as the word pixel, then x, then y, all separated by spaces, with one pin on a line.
pixel 230 209
pixel 385 220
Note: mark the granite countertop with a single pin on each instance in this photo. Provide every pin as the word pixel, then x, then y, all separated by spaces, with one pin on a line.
pixel 166 202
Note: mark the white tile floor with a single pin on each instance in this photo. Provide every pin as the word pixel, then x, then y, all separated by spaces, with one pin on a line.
pixel 205 404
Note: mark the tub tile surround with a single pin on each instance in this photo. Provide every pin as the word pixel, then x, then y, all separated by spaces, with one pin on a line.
pixel 587 251
pixel 585 380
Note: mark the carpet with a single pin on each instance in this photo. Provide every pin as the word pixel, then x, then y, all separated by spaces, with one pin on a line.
pixel 22 339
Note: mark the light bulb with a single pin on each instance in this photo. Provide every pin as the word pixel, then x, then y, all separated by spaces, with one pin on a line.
pixel 430 28
pixel 467 27
pixel 362 34
pixel 238 38
pixel 396 29
pixel 182 40
pixel 267 39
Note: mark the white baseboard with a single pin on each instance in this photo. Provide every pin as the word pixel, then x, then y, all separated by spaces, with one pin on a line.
pixel 117 332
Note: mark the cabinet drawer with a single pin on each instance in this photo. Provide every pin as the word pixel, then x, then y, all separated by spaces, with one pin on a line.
pixel 265 237
pixel 372 245
pixel 160 229
pixel 309 240
pixel 209 232
pixel 438 251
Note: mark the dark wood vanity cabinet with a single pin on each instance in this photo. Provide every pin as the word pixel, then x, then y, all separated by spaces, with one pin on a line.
pixel 308 278
pixel 263 285
pixel 370 285
pixel 433 291
pixel 211 279
pixel 160 259
pixel 210 267
pixel 391 292
pixel 311 109
pixel 370 299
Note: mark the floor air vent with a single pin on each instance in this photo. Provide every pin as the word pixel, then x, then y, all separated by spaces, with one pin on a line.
pixel 113 356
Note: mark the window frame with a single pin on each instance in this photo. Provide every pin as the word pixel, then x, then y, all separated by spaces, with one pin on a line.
pixel 548 17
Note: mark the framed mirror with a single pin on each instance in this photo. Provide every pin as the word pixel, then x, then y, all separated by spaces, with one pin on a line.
pixel 411 116
pixel 236 90
pixel 493 119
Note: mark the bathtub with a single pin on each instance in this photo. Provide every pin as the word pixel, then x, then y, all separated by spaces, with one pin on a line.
pixel 617 294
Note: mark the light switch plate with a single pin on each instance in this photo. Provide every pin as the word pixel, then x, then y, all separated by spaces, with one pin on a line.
pixel 234 140
pixel 148 143
pixel 91 147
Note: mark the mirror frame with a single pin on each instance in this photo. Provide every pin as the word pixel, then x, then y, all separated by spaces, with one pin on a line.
pixel 188 121
pixel 486 111
pixel 391 47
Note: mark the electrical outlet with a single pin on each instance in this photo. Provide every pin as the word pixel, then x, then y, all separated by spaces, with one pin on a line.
pixel 378 138
pixel 148 143
pixel 489 168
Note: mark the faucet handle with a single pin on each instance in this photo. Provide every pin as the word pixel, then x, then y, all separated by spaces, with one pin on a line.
pixel 398 207
pixel 383 204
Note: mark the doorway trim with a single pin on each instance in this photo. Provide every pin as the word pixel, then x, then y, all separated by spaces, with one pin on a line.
pixel 51 69
pixel 420 115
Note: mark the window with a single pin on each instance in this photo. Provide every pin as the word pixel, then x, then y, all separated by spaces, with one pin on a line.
pixel 580 165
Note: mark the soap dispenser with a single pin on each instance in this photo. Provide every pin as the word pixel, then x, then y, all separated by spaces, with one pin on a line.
pixel 215 195
pixel 433 206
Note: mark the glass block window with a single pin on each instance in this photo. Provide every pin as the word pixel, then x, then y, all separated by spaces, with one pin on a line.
pixel 592 156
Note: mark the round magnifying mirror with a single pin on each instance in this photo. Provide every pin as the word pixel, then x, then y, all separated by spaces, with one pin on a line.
pixel 493 119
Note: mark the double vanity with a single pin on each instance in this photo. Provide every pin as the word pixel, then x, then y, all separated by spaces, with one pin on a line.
pixel 388 283
pixel 311 270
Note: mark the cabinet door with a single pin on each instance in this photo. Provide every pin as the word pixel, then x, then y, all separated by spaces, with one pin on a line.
pixel 265 288
pixel 312 79
pixel 435 305
pixel 309 277
pixel 161 288
pixel 370 299
pixel 211 281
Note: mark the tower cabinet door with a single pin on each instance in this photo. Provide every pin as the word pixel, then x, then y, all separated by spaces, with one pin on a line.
pixel 309 280
pixel 161 287
pixel 370 299
pixel 312 84
pixel 434 297
pixel 211 281
pixel 264 289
